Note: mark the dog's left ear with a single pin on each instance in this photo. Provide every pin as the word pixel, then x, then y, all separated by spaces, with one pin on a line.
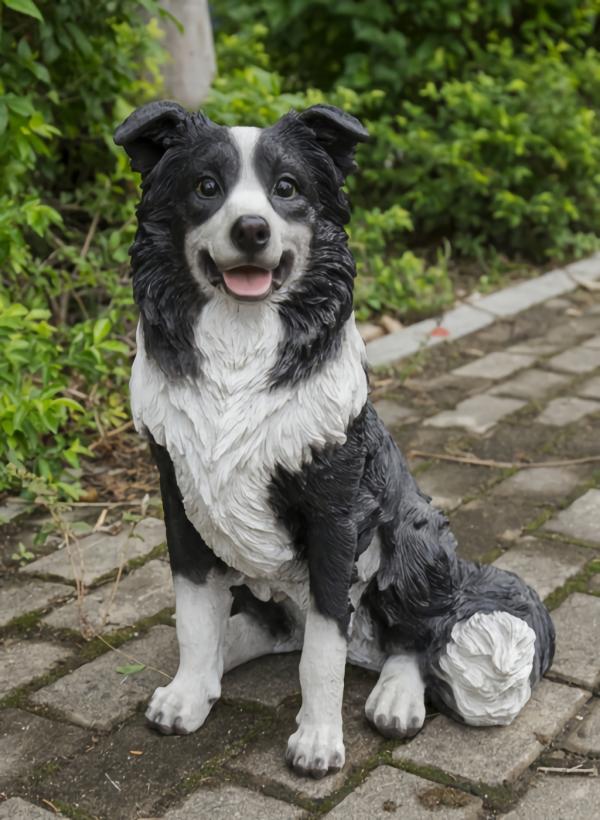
pixel 337 132
pixel 145 133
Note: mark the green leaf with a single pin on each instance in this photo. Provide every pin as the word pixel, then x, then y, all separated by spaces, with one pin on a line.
pixel 24 7
pixel 131 668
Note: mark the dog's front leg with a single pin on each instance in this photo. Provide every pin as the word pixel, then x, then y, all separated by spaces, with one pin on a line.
pixel 317 747
pixel 202 610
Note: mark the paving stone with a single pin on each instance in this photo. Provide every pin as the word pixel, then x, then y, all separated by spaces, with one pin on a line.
pixel 369 331
pixel 535 347
pixel 449 484
pixel 267 680
pixel 23 661
pixel 231 803
pixel 18 809
pixel 459 322
pixel 586 269
pixel 530 384
pixel 396 346
pixel 392 413
pixel 388 791
pixel 559 798
pixel 144 780
pixel 142 593
pixel 579 359
pixel 580 520
pixel 567 410
pixel 517 298
pixel 574 330
pixel 497 754
pixel 484 524
pixel 585 737
pixel 96 696
pixel 27 741
pixel 477 413
pixel 590 388
pixel 544 565
pixel 594 585
pixel 540 482
pixel 594 343
pixel 265 759
pixel 11 509
pixel 100 553
pixel 497 365
pixel 577 624
pixel 19 599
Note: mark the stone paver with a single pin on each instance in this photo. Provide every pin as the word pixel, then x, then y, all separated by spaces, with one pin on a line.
pixel 394 346
pixel 579 359
pixel 567 410
pixel 233 803
pixel 449 484
pixel 585 737
pixel 540 482
pixel 99 553
pixel 27 740
pixel 544 565
pixel 267 680
pixel 532 292
pixel 265 760
pixel 23 661
pixel 594 342
pixel 18 809
pixel 496 365
pixel 580 520
pixel 530 384
pixel 388 792
pixel 392 413
pixel 11 509
pixel 477 413
pixel 462 321
pixel 559 798
pixel 577 623
pixel 498 754
pixel 590 389
pixel 97 696
pixel 142 593
pixel 18 599
pixel 535 347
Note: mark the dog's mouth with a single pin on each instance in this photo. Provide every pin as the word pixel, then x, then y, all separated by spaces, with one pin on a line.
pixel 249 283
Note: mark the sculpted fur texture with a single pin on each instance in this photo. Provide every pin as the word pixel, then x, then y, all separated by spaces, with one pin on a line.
pixel 292 519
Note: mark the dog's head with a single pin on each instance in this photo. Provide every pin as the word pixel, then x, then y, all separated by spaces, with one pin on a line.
pixel 240 211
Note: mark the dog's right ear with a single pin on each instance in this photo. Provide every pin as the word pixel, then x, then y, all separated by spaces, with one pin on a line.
pixel 145 133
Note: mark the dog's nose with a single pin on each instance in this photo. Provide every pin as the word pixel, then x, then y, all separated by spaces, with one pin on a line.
pixel 250 233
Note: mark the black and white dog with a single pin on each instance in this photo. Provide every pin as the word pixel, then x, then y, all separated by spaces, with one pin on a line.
pixel 292 520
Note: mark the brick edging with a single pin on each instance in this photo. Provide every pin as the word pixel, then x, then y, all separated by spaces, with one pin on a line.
pixel 475 315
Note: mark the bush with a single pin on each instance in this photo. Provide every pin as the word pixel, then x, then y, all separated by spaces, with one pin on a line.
pixel 71 70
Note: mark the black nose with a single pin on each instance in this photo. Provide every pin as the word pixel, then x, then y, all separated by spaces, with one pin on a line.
pixel 250 233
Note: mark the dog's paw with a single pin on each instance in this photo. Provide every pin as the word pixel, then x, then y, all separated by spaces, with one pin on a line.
pixel 394 710
pixel 316 750
pixel 178 709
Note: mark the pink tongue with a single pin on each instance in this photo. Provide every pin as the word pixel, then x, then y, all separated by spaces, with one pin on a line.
pixel 248 281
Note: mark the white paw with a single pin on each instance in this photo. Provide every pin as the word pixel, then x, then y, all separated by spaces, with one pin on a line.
pixel 178 708
pixel 394 710
pixel 316 750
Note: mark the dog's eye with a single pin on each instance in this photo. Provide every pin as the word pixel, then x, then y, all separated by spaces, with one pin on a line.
pixel 285 188
pixel 208 187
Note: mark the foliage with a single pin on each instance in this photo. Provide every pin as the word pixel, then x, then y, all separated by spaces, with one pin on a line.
pixel 70 71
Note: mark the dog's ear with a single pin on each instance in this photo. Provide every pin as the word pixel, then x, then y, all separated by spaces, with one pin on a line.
pixel 145 133
pixel 337 132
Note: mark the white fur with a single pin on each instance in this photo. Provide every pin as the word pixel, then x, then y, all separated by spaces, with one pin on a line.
pixel 318 744
pixel 201 617
pixel 396 706
pixel 227 431
pixel 248 197
pixel 488 662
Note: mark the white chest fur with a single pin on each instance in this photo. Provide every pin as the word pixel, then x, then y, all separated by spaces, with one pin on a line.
pixel 227 431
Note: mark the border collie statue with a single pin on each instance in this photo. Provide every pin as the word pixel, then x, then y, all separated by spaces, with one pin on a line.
pixel 292 519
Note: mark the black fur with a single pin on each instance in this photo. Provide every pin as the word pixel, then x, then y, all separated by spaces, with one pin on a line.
pixel 188 554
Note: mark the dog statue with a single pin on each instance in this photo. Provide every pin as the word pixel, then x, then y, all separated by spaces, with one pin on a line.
pixel 292 519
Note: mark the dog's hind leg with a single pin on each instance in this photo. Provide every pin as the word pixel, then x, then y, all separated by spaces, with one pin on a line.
pixel 396 706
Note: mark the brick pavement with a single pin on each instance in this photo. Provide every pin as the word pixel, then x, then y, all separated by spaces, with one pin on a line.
pixel 524 387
